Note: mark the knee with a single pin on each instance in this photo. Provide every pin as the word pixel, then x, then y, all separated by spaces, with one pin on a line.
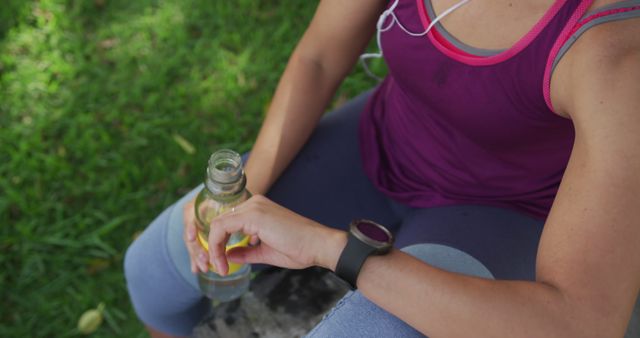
pixel 146 262
pixel 136 278
pixel 448 258
pixel 132 262
pixel 145 252
pixel 159 297
pixel 143 260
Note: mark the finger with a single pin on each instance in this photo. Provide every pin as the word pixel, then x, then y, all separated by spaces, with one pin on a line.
pixel 263 254
pixel 190 249
pixel 221 228
pixel 254 240
pixel 190 231
pixel 198 257
pixel 188 212
pixel 189 235
pixel 251 255
pixel 195 261
pixel 217 247
pixel 239 220
pixel 202 261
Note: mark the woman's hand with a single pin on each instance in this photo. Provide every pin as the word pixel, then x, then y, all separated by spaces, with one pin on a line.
pixel 286 238
pixel 199 259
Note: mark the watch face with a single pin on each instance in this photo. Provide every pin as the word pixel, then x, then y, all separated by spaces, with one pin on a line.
pixel 373 231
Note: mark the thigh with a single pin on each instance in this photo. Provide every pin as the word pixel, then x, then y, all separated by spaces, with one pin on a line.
pixel 355 316
pixel 326 182
pixel 505 241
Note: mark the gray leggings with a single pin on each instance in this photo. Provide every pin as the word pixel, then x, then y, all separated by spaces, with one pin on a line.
pixel 325 182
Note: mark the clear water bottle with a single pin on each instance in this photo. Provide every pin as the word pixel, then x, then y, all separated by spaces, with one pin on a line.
pixel 224 189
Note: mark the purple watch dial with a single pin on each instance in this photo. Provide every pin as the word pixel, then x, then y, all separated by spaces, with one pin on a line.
pixel 373 232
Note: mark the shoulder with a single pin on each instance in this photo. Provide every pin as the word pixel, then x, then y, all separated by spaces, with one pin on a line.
pixel 606 55
pixel 608 42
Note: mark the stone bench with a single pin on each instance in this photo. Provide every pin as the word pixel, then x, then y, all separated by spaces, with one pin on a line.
pixel 280 303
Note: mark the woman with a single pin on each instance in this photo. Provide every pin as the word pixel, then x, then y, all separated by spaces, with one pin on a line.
pixel 501 149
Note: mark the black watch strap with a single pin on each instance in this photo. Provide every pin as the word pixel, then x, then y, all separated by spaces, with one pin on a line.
pixel 352 258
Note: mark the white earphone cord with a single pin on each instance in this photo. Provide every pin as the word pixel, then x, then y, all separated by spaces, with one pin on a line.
pixel 394 19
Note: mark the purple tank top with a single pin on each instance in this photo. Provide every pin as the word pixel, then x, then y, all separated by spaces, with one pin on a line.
pixel 448 127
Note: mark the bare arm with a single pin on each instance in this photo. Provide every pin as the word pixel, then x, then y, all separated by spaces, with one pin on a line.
pixel 326 53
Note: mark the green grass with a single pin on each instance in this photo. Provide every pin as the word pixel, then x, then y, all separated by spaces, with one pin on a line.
pixel 93 95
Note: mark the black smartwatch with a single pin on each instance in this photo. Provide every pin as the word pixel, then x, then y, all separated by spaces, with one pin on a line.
pixel 365 238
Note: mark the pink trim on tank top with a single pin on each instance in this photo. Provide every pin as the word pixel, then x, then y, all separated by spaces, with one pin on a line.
pixel 605 13
pixel 562 40
pixel 457 54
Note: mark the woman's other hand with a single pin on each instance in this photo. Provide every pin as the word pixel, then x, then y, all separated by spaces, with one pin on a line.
pixel 197 254
pixel 286 239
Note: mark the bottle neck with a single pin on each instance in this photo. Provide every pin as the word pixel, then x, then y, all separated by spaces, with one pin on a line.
pixel 225 191
pixel 225 175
